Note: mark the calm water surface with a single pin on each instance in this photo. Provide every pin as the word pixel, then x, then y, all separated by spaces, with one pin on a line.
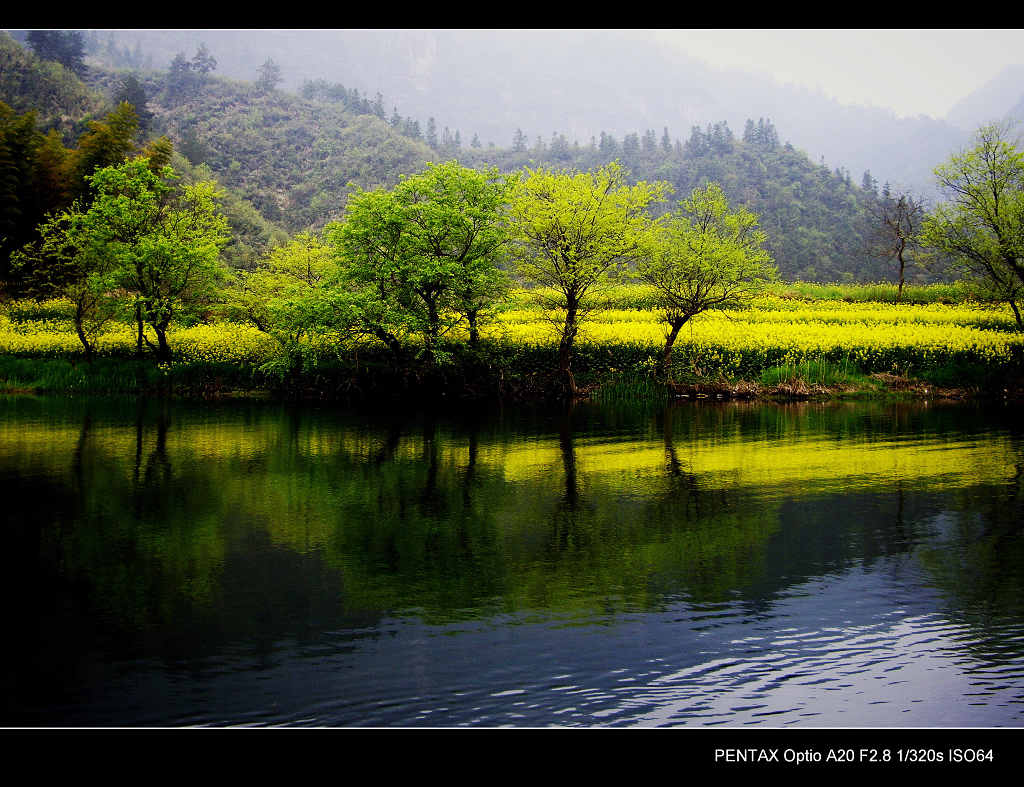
pixel 253 563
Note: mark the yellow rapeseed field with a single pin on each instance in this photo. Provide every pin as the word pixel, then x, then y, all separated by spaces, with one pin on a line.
pixel 775 331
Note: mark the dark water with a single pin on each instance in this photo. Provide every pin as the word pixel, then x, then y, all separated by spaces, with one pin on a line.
pixel 254 563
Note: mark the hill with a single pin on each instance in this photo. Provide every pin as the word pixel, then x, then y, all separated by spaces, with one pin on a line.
pixel 289 162
pixel 578 82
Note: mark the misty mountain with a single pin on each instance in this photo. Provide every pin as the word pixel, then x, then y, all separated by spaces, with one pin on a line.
pixel 577 83
pixel 1001 97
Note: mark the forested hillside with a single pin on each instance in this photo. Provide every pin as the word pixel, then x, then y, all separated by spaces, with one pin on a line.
pixel 289 161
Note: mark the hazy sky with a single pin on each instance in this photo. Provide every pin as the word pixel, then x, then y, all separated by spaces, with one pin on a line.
pixel 909 71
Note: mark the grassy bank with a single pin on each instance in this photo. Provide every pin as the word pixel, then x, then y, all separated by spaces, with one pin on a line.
pixel 786 343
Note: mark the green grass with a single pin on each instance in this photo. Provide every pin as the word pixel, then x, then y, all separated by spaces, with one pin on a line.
pixel 817 373
pixel 879 292
pixel 118 375
pixel 631 389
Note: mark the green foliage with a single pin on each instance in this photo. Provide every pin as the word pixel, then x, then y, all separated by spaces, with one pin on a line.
pixel 707 257
pixel 425 255
pixel 159 243
pixel 982 222
pixel 817 372
pixel 269 76
pixel 574 233
pixel 132 92
pixel 288 297
pixel 295 160
pixel 57 97
pixel 67 47
pixel 815 218
pixel 106 144
pixel 35 180
pixel 68 262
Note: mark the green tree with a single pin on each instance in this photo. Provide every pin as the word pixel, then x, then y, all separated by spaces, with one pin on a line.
pixel 35 180
pixel 706 257
pixel 133 93
pixel 180 77
pixel 981 223
pixel 203 62
pixel 67 47
pixel 163 243
pixel 425 255
pixel 70 261
pixel 287 297
pixel 574 232
pixel 269 76
pixel 106 144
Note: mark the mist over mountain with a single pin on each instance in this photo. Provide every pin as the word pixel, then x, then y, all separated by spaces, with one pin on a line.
pixel 577 83
pixel 998 99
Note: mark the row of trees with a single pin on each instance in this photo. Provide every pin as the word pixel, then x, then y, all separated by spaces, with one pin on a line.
pixel 440 249
pixel 407 265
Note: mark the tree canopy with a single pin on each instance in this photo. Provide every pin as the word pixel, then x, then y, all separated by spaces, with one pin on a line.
pixel 574 232
pixel 425 253
pixel 981 223
pixel 159 242
pixel 708 256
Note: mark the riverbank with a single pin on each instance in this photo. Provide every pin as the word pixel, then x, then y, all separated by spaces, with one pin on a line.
pixel 787 345
pixel 473 382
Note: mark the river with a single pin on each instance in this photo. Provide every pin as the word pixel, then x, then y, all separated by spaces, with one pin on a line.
pixel 171 563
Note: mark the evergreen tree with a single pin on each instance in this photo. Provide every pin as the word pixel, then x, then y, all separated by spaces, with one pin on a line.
pixel 107 143
pixel 133 93
pixel 269 76
pixel 181 79
pixel 666 141
pixel 203 62
pixel 67 47
pixel 432 133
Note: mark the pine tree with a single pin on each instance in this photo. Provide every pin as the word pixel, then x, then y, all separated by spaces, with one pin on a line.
pixel 67 47
pixel 133 93
pixel 203 62
pixel 269 76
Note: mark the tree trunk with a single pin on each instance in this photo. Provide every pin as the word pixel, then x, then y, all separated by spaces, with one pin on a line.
pixel 1016 313
pixel 138 321
pixel 163 349
pixel 392 343
pixel 899 292
pixel 666 355
pixel 565 349
pixel 433 329
pixel 80 330
pixel 474 332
